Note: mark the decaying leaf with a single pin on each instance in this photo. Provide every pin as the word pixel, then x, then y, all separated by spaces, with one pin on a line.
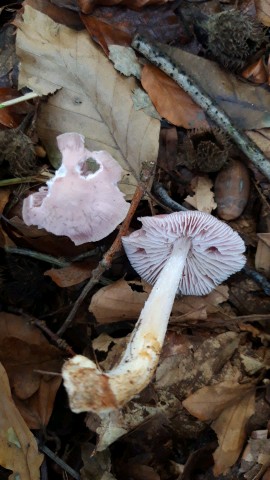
pixel 88 5
pixel 124 300
pixel 18 446
pixel 208 402
pixel 117 25
pixel 170 100
pixel 262 257
pixel 230 405
pixel 256 73
pixel 263 11
pixel 71 275
pixel 230 429
pixel 256 456
pixel 90 94
pixel 246 106
pixel 203 199
pixel 97 465
pixel 261 137
pixel 23 350
pixel 198 365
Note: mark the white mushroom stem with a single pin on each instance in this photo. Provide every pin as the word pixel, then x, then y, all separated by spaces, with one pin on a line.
pixel 89 389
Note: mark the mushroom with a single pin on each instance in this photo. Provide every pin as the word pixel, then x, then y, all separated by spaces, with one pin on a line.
pixel 186 252
pixel 78 203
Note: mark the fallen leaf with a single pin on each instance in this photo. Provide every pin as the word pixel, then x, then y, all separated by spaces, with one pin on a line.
pixel 96 465
pixel 256 454
pixel 256 72
pixel 88 5
pixel 24 349
pixel 117 25
pixel 203 199
pixel 246 105
pixel 198 366
pixel 262 139
pixel 71 275
pixel 124 300
pixel 209 402
pixel 230 428
pixel 170 100
pixel 92 96
pixel 18 446
pixel 263 11
pixel 262 257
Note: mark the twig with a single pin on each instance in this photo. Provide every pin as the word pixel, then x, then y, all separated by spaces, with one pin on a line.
pixel 23 98
pixel 258 278
pixel 106 261
pixel 59 262
pixel 60 462
pixel 62 344
pixel 43 257
pixel 163 195
pixel 164 62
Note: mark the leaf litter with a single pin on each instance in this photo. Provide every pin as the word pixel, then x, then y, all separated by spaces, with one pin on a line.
pixel 205 413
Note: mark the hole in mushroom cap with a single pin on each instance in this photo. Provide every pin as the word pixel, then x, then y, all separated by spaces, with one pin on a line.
pixel 90 165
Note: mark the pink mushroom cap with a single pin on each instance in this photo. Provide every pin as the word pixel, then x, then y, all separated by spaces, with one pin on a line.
pixel 216 250
pixel 78 203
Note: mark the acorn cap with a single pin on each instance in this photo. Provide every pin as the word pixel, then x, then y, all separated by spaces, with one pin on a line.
pixel 82 205
pixel 216 250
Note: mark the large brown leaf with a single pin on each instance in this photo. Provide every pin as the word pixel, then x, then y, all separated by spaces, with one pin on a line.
pixel 18 446
pixel 246 104
pixel 93 98
pixel 230 428
pixel 23 350
pixel 170 100
pixel 117 25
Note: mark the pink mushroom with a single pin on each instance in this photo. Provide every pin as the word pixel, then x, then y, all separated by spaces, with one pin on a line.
pixel 187 252
pixel 82 205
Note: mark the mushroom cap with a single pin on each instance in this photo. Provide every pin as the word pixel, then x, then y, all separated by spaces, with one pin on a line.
pixel 78 203
pixel 215 253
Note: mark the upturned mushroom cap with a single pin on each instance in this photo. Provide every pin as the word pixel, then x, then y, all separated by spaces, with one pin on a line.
pixel 82 205
pixel 216 250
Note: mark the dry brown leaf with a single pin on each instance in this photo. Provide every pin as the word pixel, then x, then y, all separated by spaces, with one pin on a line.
pixel 256 72
pixel 18 446
pixel 92 95
pixel 71 275
pixel 117 25
pixel 208 402
pixel 87 6
pixel 263 11
pixel 170 100
pixel 262 257
pixel 24 349
pixel 246 105
pixel 119 301
pixel 203 199
pixel 124 300
pixel 262 138
pixel 230 428
pixel 200 364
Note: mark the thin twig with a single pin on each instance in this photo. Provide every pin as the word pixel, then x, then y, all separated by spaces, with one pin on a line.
pixel 60 462
pixel 43 257
pixel 23 98
pixel 62 344
pixel 163 195
pixel 107 259
pixel 258 278
pixel 164 62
